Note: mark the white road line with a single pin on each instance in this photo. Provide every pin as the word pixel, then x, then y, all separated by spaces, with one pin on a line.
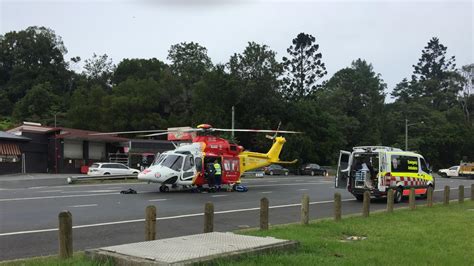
pixel 303 189
pixel 36 187
pixel 90 191
pixel 453 188
pixel 48 191
pixel 266 192
pixel 218 196
pixel 85 205
pixel 166 218
pixel 56 197
pixel 290 184
pixel 158 199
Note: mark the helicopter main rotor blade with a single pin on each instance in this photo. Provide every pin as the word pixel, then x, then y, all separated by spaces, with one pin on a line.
pixel 127 132
pixel 173 131
pixel 257 130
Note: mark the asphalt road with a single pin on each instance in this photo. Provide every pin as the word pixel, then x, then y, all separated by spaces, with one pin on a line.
pixel 102 216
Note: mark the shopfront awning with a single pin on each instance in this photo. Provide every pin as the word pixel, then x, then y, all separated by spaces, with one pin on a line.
pixel 9 149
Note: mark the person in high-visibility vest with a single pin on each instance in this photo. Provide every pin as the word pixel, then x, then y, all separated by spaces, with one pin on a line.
pixel 217 174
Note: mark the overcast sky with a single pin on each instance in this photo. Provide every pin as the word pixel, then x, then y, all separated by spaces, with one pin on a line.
pixel 388 34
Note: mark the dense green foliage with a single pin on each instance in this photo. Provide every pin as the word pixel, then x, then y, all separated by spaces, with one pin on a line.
pixel 349 109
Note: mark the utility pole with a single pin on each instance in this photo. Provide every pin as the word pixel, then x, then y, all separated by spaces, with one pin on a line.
pixel 233 116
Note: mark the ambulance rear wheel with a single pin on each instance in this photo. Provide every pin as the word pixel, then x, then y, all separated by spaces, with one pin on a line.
pixel 398 195
pixel 359 197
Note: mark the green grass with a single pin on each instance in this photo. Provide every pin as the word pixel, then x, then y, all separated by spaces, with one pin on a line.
pixel 79 259
pixel 426 236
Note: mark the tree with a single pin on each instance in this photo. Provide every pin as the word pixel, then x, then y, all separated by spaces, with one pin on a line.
pixel 30 57
pixel 135 105
pixel 254 75
pixel 466 97
pixel 39 104
pixel 359 92
pixel 138 69
pixel 189 62
pixel 434 78
pixel 304 67
pixel 214 96
pixel 99 69
pixel 87 108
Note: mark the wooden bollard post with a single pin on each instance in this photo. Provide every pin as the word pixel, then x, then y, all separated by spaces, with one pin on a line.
pixel 337 206
pixel 150 223
pixel 411 199
pixel 461 194
pixel 390 200
pixel 208 217
pixel 446 195
pixel 65 235
pixel 472 192
pixel 305 210
pixel 430 197
pixel 366 204
pixel 264 214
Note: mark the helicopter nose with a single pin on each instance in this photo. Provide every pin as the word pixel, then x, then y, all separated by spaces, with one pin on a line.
pixel 144 174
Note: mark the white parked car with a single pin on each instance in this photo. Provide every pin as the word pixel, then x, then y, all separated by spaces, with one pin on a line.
pixel 111 169
pixel 451 171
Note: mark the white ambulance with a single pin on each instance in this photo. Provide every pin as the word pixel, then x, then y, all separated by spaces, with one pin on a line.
pixel 378 168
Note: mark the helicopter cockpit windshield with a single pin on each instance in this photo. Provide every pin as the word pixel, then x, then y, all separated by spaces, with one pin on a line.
pixel 172 161
pixel 158 159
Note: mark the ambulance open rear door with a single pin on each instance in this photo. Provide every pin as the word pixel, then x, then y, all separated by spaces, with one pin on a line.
pixel 343 169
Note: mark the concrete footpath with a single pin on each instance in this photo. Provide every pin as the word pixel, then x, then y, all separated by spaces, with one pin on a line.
pixel 187 250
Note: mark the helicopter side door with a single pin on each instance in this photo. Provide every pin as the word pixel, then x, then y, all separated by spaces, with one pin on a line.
pixel 343 169
pixel 189 170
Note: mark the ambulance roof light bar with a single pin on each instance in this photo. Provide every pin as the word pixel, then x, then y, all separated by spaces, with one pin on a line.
pixel 375 148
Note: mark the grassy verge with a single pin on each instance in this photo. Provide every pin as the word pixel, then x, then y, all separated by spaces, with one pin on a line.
pixel 427 236
pixel 78 259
